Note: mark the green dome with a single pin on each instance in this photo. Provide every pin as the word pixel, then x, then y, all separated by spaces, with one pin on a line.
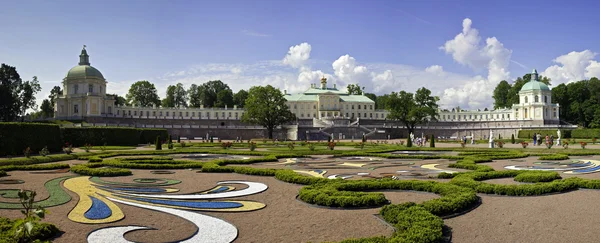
pixel 535 85
pixel 84 71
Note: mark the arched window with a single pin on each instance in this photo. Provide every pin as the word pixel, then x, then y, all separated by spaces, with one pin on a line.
pixel 525 113
pixel 91 88
pixel 536 99
pixel 545 99
pixel 75 89
pixel 526 99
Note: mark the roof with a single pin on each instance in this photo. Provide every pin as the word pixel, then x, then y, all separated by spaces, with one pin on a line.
pixel 83 71
pixel 534 85
pixel 356 98
pixel 300 97
pixel 323 91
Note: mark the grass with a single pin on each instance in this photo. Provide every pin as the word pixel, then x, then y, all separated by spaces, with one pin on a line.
pixel 111 147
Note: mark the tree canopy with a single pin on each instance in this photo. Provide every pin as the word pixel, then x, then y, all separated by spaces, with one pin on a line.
pixel 266 106
pixel 209 91
pixel 412 109
pixel 193 94
pixel 240 97
pixel 176 96
pixel 501 95
pixel 355 89
pixel 143 94
pixel 54 93
pixel 16 96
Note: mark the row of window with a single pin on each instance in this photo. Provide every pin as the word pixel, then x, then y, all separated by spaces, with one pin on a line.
pixel 464 117
pixel 181 114
pixel 328 106
pixel 537 99
pixel 90 88
pixel 347 115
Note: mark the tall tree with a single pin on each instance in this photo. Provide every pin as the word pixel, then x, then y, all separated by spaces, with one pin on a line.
pixel 240 97
pixel 209 91
pixel 10 83
pixel 119 100
pixel 176 96
pixel 27 93
pixel 46 109
pixel 266 106
pixel 54 93
pixel 143 94
pixel 224 98
pixel 373 97
pixel 194 95
pixel 354 89
pixel 501 95
pixel 412 110
pixel 560 97
pixel 382 101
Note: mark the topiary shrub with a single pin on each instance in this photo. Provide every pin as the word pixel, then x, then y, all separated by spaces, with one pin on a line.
pixel 157 143
pixel 432 142
pixel 512 139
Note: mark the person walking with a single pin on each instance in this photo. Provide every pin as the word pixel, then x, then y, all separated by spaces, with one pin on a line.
pixel 539 139
pixel 547 138
pixel 534 139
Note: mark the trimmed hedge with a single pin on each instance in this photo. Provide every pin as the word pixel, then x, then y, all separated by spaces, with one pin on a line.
pixel 585 133
pixel 37 159
pixel 33 167
pixel 40 231
pixel 121 136
pixel 16 136
pixel 90 171
pixel 528 134
pixel 554 157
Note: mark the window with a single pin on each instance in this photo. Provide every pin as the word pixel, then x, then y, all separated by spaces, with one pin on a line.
pixel 376 115
pixel 208 115
pixel 525 113
pixel 118 111
pixel 187 114
pixel 470 116
pixel 229 115
pixel 129 113
pixel 371 107
pixel 147 113
pixel 91 88
pixel 135 113
pixel 352 107
pixel 315 107
pixel 545 99
pixel 153 113
pixel 76 89
pixel 508 116
pixel 302 115
pixel 167 114
pixel 554 113
pixel 525 99
pixel 371 115
pixel 295 107
pixel 536 99
pixel 223 114
pixel 314 114
pixel 502 116
pixel 352 114
pixel 236 115
pixel 75 108
pixel 453 117
pixel 359 107
pixel 193 114
pixel 160 113
pixel 365 115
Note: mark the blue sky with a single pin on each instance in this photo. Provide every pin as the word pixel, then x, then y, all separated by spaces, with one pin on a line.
pixel 244 43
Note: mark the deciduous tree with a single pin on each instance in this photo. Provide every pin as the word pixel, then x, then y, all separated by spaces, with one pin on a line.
pixel 143 94
pixel 412 109
pixel 266 106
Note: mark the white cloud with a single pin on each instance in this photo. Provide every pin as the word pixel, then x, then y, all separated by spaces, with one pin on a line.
pixel 466 49
pixel 297 55
pixel 435 69
pixel 573 66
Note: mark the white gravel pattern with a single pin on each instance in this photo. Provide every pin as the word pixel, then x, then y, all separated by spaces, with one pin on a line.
pixel 253 188
pixel 210 229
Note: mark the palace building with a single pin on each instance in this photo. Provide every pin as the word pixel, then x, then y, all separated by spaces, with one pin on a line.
pixel 320 110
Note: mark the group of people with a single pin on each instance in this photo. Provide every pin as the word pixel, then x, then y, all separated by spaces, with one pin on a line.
pixel 537 139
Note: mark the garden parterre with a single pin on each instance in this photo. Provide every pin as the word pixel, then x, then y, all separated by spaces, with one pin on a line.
pixel 413 221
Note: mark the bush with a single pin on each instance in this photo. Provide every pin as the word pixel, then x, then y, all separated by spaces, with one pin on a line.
pixel 537 176
pixel 432 142
pixel 40 231
pixel 554 157
pixel 157 143
pixel 16 136
pixel 86 170
pixel 122 136
pixel 528 134
pixel 512 139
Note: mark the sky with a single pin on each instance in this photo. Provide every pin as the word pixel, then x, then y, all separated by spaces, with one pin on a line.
pixel 459 50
